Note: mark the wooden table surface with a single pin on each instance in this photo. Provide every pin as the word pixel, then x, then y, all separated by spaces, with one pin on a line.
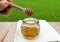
pixel 7 30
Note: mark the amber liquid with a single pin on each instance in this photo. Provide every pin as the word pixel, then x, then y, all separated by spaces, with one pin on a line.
pixel 30 32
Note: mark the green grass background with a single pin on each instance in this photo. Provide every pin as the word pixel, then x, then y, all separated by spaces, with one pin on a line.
pixel 48 10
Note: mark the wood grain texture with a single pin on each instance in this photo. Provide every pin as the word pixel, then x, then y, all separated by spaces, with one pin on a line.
pixel 56 26
pixel 11 26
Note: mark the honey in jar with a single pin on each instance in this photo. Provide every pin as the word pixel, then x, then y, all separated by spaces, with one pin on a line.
pixel 30 28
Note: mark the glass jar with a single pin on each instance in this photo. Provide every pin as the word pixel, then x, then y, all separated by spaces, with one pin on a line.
pixel 30 28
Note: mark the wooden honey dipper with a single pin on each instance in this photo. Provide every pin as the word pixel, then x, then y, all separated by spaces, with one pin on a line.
pixel 28 11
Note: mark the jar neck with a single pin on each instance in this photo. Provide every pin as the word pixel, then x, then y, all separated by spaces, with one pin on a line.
pixel 30 22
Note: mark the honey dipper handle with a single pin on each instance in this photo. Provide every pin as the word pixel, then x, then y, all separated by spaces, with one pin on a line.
pixel 17 7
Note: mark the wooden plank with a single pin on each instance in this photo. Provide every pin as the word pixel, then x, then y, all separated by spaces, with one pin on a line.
pixel 11 26
pixel 56 26
pixel 10 35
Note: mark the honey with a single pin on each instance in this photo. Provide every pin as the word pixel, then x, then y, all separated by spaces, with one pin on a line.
pixel 30 32
pixel 30 28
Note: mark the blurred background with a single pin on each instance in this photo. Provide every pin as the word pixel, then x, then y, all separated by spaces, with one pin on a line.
pixel 48 10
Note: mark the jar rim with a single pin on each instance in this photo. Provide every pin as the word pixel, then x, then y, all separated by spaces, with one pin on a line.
pixel 31 20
